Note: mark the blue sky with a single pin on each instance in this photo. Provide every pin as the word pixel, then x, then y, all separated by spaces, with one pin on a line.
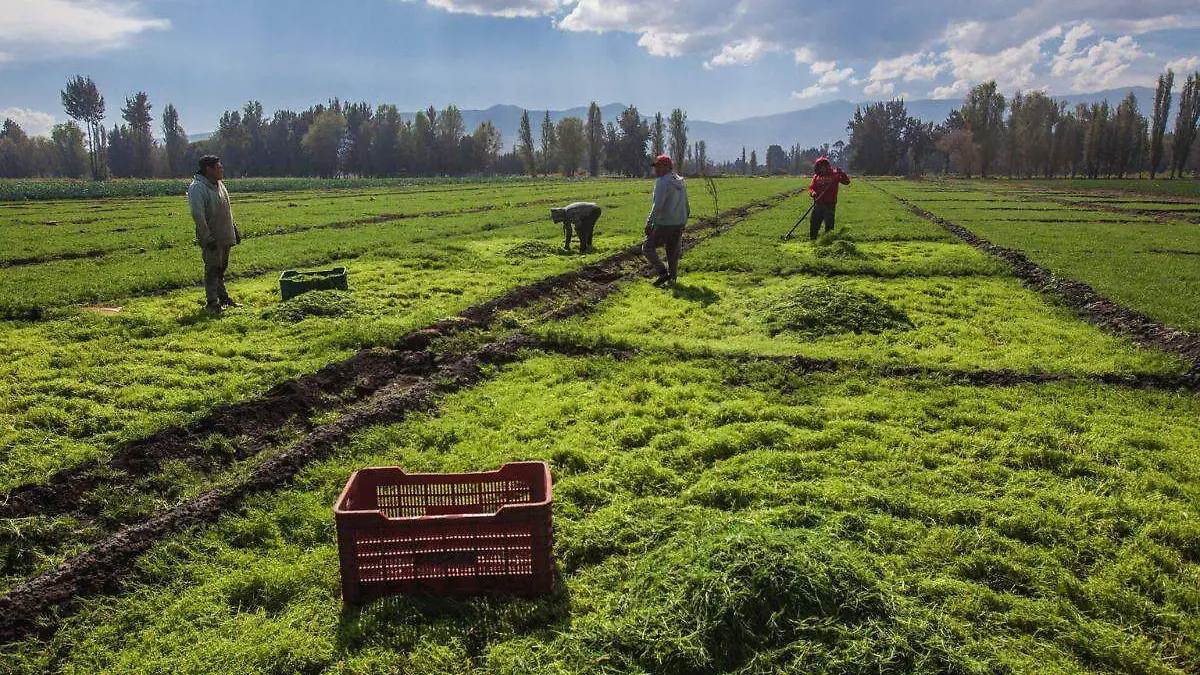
pixel 718 59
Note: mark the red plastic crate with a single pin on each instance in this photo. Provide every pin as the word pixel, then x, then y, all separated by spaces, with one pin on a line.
pixel 450 534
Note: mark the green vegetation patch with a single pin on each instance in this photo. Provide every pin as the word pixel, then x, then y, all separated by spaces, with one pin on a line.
pixel 824 309
pixel 532 249
pixel 970 322
pixel 715 517
pixel 1120 259
pixel 314 303
pixel 841 249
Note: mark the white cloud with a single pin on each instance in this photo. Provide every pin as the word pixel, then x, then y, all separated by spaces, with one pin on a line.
pixel 879 88
pixel 1185 65
pixel 1074 36
pixel 1011 68
pixel 829 80
pixel 1150 25
pixel 33 122
pixel 918 66
pixel 813 92
pixel 509 9
pixel 664 44
pixel 953 90
pixel 835 76
pixel 56 27
pixel 1101 66
pixel 946 43
pixel 740 53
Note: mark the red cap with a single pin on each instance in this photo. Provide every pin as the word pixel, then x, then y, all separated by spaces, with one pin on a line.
pixel 662 159
pixel 820 161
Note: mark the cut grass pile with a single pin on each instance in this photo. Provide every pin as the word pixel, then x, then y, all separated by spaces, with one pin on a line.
pixel 314 303
pixel 823 309
pixel 714 517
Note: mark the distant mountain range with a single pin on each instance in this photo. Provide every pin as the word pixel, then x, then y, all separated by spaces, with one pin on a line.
pixel 824 123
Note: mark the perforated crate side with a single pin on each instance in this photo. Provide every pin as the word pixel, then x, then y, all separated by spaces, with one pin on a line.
pixel 454 534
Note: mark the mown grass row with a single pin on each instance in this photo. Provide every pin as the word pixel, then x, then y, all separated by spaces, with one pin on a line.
pixel 1147 265
pixel 963 310
pixel 42 189
pixel 54 229
pixel 75 385
pixel 276 241
pixel 716 518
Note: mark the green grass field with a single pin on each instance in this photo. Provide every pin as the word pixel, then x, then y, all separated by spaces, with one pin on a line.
pixel 1144 255
pixel 956 482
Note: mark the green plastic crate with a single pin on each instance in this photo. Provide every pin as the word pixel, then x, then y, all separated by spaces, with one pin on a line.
pixel 295 282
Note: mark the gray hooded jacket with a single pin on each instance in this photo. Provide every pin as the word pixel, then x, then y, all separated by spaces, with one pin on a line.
pixel 671 207
pixel 209 203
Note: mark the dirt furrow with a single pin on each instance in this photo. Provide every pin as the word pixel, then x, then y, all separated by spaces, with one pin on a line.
pixel 1097 309
pixel 103 566
pixel 969 377
pixel 35 606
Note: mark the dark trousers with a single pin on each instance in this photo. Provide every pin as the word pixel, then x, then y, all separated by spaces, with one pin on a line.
pixel 821 212
pixel 216 262
pixel 669 238
pixel 585 228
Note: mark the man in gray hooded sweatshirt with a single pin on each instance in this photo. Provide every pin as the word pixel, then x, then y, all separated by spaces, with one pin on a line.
pixel 215 231
pixel 664 225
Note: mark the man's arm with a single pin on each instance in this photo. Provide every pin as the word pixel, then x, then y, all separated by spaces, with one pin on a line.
pixel 660 196
pixel 196 205
pixel 842 177
pixel 812 188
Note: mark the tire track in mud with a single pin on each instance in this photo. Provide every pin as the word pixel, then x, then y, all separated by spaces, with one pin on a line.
pixel 1097 309
pixel 35 606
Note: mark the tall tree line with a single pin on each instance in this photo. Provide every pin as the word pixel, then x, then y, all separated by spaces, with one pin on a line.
pixel 331 139
pixel 1031 134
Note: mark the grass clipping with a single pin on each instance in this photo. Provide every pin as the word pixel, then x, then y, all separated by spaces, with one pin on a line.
pixel 327 304
pixel 531 249
pixel 827 309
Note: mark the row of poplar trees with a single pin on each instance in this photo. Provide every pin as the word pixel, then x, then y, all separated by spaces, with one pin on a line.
pixel 1031 134
pixel 83 147
pixel 332 139
pixel 624 147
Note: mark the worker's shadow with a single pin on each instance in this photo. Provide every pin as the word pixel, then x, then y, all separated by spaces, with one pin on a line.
pixel 400 621
pixel 701 294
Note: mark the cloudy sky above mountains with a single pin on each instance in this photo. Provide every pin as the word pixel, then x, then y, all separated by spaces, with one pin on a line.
pixel 719 59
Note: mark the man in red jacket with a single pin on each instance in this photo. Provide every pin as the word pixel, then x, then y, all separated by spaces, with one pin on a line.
pixel 823 189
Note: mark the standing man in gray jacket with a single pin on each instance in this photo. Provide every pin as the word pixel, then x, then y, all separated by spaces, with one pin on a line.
pixel 664 225
pixel 215 231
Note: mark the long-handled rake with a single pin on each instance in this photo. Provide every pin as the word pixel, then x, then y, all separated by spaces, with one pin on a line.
pixel 810 208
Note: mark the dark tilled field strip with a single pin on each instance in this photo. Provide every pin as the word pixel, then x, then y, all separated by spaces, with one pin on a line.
pixel 1095 308
pixel 955 376
pixel 35 606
